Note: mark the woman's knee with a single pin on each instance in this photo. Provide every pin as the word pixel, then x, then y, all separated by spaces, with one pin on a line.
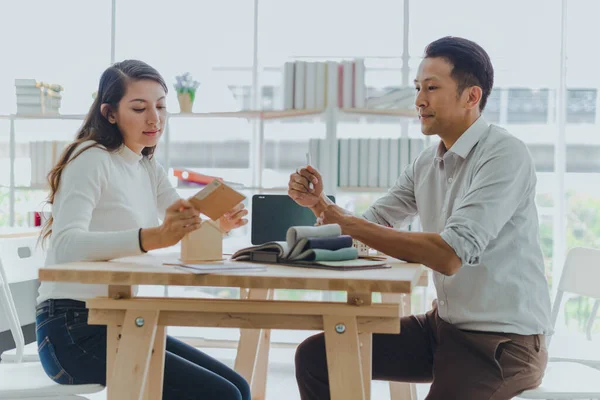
pixel 244 389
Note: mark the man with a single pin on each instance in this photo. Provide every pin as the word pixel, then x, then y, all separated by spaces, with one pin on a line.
pixel 475 195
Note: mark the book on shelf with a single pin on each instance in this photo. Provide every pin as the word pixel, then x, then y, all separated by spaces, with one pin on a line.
pixel 343 162
pixel 348 84
pixel 332 84
pixel 33 83
pixel 310 94
pixel 195 177
pixel 37 98
pixel 363 162
pixel 400 98
pixel 367 162
pixel 373 162
pixel 36 110
pixel 360 90
pixel 354 166
pixel 300 85
pixel 318 84
pixel 321 86
pixel 394 161
pixel 189 177
pixel 44 156
pixel 384 163
pixel 310 246
pixel 288 85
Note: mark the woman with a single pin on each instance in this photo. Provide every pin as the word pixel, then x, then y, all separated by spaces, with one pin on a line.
pixel 107 195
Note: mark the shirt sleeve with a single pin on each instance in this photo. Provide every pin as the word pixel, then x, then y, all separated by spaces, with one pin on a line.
pixel 165 192
pixel 82 182
pixel 399 205
pixel 499 186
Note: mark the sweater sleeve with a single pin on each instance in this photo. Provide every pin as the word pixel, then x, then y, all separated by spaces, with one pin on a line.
pixel 165 192
pixel 82 182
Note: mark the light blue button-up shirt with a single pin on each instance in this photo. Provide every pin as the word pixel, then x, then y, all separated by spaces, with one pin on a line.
pixel 480 196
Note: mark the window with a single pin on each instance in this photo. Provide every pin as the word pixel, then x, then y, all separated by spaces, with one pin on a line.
pixel 583 145
pixel 527 106
pixel 581 106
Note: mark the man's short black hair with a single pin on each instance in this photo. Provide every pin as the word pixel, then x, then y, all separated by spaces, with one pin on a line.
pixel 472 65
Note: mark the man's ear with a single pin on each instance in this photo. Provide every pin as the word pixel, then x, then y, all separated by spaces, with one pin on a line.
pixel 106 111
pixel 474 97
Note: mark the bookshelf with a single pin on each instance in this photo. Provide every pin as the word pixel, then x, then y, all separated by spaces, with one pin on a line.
pixel 330 115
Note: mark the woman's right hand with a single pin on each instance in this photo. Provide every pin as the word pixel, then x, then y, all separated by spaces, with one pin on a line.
pixel 180 218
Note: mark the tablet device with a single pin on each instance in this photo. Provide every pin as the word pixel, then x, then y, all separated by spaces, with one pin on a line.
pixel 274 214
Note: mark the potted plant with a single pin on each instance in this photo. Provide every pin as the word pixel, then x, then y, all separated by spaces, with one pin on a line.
pixel 186 91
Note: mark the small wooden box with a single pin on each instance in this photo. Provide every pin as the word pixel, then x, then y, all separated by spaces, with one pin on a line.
pixel 203 244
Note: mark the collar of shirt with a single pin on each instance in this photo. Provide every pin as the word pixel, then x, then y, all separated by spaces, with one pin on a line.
pixel 129 155
pixel 465 142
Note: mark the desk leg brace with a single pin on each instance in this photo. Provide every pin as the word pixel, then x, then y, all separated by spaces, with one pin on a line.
pixel 132 359
pixel 401 390
pixel 252 358
pixel 343 358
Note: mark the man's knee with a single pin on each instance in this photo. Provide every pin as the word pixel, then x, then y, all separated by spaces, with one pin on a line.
pixel 310 355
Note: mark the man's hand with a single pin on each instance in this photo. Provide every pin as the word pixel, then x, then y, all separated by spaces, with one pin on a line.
pixel 333 214
pixel 299 186
pixel 234 218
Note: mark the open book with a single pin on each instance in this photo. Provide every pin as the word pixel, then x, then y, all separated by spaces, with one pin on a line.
pixel 319 246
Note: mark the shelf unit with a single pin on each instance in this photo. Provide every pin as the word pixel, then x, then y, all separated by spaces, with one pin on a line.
pixel 331 115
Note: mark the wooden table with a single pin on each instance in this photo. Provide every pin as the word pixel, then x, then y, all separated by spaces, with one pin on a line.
pixel 136 325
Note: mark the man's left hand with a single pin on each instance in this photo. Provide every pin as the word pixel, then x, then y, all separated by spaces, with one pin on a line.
pixel 234 218
pixel 334 214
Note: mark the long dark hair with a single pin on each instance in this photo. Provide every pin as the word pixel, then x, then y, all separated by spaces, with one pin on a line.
pixel 96 127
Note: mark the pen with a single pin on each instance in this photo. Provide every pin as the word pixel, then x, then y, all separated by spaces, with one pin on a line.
pixel 308 162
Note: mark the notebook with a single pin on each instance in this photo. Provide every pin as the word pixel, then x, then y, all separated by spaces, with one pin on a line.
pixel 215 199
pixel 274 214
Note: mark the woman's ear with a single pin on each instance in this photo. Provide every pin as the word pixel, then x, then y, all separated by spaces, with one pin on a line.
pixel 106 111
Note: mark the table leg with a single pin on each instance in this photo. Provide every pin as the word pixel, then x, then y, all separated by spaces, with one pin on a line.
pixel 113 333
pixel 366 342
pixel 133 358
pixel 252 358
pixel 366 357
pixel 401 390
pixel 154 384
pixel 343 358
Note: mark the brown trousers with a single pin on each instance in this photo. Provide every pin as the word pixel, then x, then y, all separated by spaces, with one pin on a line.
pixel 461 365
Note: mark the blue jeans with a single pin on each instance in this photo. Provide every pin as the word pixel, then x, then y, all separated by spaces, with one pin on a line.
pixel 73 353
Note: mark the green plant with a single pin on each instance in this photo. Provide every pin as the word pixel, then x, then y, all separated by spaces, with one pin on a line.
pixel 186 84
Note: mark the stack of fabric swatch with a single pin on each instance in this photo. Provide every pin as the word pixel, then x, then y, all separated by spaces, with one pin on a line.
pixel 307 243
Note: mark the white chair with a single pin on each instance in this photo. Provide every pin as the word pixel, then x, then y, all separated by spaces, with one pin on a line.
pixel 566 381
pixel 21 268
pixel 580 276
pixel 28 380
pixel 567 376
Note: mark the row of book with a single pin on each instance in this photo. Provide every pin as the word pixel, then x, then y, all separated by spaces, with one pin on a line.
pixel 37 98
pixel 44 156
pixel 376 162
pixel 317 85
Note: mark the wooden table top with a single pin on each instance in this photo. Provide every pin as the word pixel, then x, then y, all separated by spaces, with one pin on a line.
pixel 148 269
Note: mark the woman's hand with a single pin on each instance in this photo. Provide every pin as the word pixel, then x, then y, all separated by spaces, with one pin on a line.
pixel 233 218
pixel 180 218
